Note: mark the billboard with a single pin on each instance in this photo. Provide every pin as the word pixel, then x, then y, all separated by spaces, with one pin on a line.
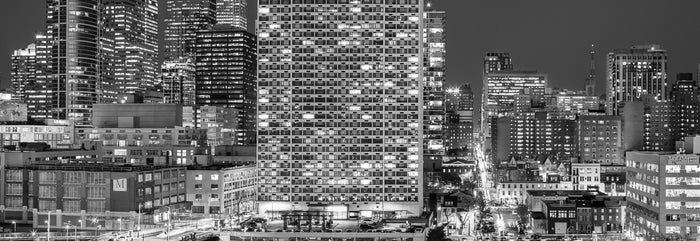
pixel 10 111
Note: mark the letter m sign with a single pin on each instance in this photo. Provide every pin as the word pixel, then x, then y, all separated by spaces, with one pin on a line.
pixel 119 185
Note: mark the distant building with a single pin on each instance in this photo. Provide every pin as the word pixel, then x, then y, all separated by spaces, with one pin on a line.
pixel 178 79
pixel 221 124
pixel 493 62
pixel 516 192
pixel 225 47
pixel 137 115
pixel 599 215
pixel 639 70
pixel 133 25
pixel 183 18
pixel 176 146
pixel 535 133
pixel 503 86
pixel 23 71
pixel 221 190
pixel 54 135
pixel 232 12
pixel 459 121
pixel 73 76
pixel 434 66
pixel 585 176
pixel 600 139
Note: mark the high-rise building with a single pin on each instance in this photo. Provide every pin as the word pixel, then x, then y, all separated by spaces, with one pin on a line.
pixel 23 70
pixel 684 94
pixel 177 80
pixel 40 93
pixel 225 75
pixel 232 12
pixel 74 30
pixel 133 27
pixel 639 70
pixel 589 87
pixel 434 39
pixel 340 108
pixel 459 121
pixel 663 202
pixel 183 18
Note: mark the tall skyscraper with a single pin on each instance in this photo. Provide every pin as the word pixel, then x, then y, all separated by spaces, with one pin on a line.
pixel 459 121
pixel 639 70
pixel 340 108
pixel 225 75
pixel 493 62
pixel 40 94
pixel 23 70
pixel 232 12
pixel 434 40
pixel 75 73
pixel 183 18
pixel 589 87
pixel 178 80
pixel 133 27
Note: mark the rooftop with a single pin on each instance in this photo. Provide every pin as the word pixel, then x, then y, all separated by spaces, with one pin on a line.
pixel 95 168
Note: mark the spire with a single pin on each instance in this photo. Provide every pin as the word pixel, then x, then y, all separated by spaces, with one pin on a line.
pixel 590 81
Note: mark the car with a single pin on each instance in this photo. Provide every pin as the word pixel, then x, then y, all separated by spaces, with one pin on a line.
pixel 279 230
pixel 349 231
pixel 515 212
pixel 337 230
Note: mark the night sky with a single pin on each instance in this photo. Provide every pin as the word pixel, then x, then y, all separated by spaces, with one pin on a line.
pixel 552 36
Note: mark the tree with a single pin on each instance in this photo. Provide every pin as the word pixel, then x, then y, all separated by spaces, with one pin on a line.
pixel 523 214
pixel 437 234
pixel 487 226
pixel 449 178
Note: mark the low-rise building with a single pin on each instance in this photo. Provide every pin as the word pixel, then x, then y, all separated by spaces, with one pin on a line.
pixel 222 189
pixel 516 192
pixel 146 146
pixel 585 175
pixel 91 196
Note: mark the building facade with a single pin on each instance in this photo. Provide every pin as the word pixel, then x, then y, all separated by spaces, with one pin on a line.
pixel 493 62
pixel 459 121
pixel 91 197
pixel 75 75
pixel 600 139
pixel 133 26
pixel 434 40
pixel 23 70
pixel 225 75
pixel 177 80
pixel 368 160
pixel 221 190
pixel 663 201
pixel 500 90
pixel 639 70
pixel 183 18
pixel 232 12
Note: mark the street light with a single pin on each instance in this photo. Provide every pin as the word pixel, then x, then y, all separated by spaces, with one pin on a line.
pixel 14 224
pixel 80 221
pixel 120 224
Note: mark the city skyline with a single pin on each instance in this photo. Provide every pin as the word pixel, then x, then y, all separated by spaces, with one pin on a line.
pixel 568 26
